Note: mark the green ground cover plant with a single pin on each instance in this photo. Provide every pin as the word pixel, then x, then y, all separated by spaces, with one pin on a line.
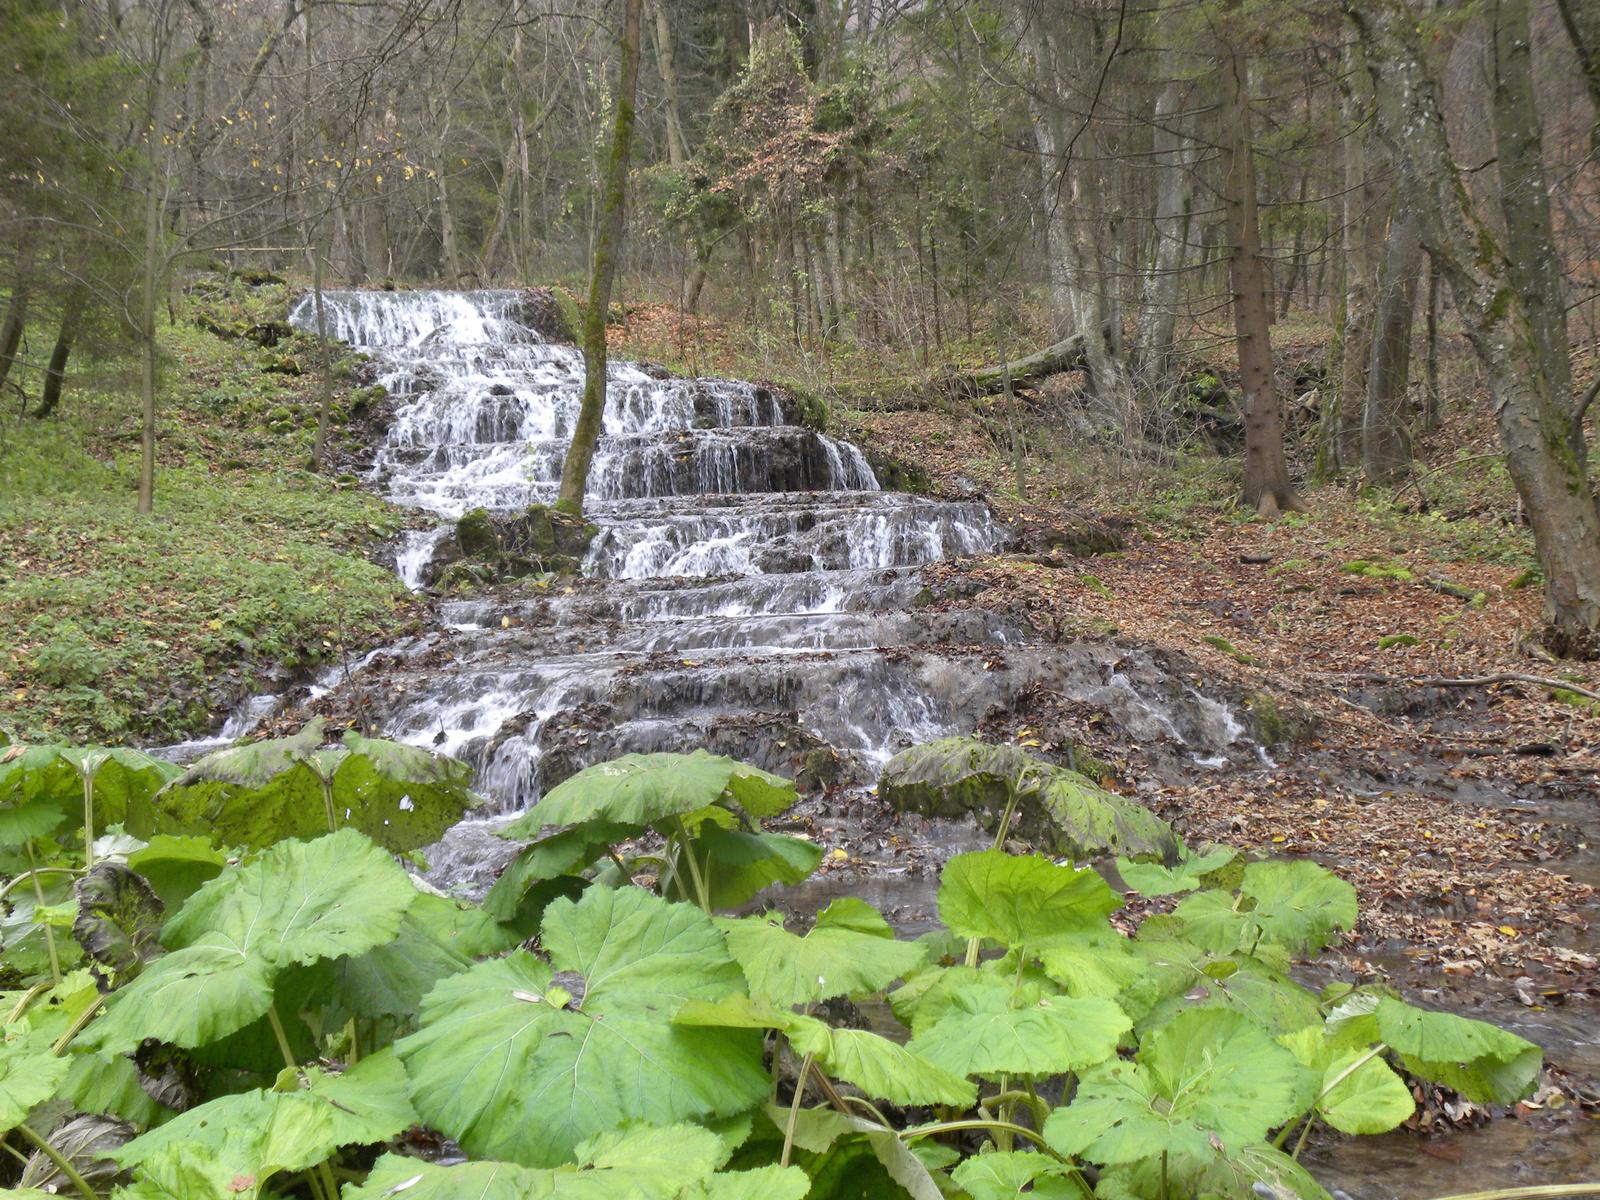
pixel 270 1021
pixel 116 627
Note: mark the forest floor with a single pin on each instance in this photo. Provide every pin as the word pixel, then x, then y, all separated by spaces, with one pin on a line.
pixel 1465 813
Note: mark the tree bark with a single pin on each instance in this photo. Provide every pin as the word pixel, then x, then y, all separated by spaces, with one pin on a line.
pixel 1533 416
pixel 1266 470
pixel 1582 19
pixel 55 372
pixel 608 245
pixel 1172 156
pixel 16 320
pixel 1385 443
pixel 1066 355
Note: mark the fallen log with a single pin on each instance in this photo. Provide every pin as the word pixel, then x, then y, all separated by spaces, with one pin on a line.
pixel 1065 355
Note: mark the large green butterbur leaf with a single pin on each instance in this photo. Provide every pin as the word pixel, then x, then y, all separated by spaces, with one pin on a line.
pixel 1182 976
pixel 736 864
pixel 1369 1099
pixel 29 1073
pixel 850 951
pixel 1235 1176
pixel 41 789
pixel 1021 1173
pixel 1205 1080
pixel 565 852
pixel 1299 904
pixel 983 1034
pixel 1484 1063
pixel 639 789
pixel 237 1143
pixel 881 1068
pixel 1087 821
pixel 514 1064
pixel 630 1164
pixel 1195 869
pixel 400 796
pixel 1018 900
pixel 299 902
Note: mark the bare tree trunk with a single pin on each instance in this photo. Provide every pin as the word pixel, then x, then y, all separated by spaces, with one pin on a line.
pixel 1078 285
pixel 1385 444
pixel 1534 413
pixel 608 246
pixel 677 146
pixel 1173 155
pixel 16 315
pixel 155 184
pixel 1266 471
pixel 1364 207
pixel 55 372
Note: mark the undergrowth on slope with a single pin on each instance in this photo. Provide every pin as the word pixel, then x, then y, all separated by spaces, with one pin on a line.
pixel 118 627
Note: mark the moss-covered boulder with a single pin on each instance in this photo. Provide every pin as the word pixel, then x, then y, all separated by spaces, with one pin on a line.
pixel 475 534
pixel 1057 809
pixel 897 474
pixel 552 313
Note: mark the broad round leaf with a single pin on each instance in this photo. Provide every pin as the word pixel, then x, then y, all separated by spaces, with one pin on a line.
pixel 125 780
pixel 255 795
pixel 638 789
pixel 190 997
pixel 1484 1063
pixel 981 1034
pixel 29 1073
pixel 514 1068
pixel 1007 1176
pixel 736 865
pixel 1206 1082
pixel 301 901
pixel 850 951
pixel 1087 821
pixel 258 1134
pixel 1153 879
pixel 1299 905
pixel 882 1069
pixel 638 1164
pixel 1016 900
pixel 400 796
pixel 563 853
pixel 1235 1176
pixel 176 866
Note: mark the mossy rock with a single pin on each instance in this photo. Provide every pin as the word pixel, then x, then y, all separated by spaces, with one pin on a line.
pixel 896 474
pixel 551 312
pixel 543 533
pixel 1273 724
pixel 801 407
pixel 476 534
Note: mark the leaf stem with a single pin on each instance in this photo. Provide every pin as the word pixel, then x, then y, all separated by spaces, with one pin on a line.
pixel 77 1026
pixel 49 933
pixel 282 1036
pixel 684 845
pixel 62 1165
pixel 1326 1091
pixel 794 1110
pixel 28 997
pixel 88 819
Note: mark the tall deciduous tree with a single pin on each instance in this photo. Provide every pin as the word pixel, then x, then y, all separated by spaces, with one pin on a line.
pixel 1505 290
pixel 607 246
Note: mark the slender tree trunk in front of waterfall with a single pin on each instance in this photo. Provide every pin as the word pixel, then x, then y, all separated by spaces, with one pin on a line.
pixel 608 245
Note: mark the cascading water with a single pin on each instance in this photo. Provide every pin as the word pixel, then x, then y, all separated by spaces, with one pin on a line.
pixel 751 590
